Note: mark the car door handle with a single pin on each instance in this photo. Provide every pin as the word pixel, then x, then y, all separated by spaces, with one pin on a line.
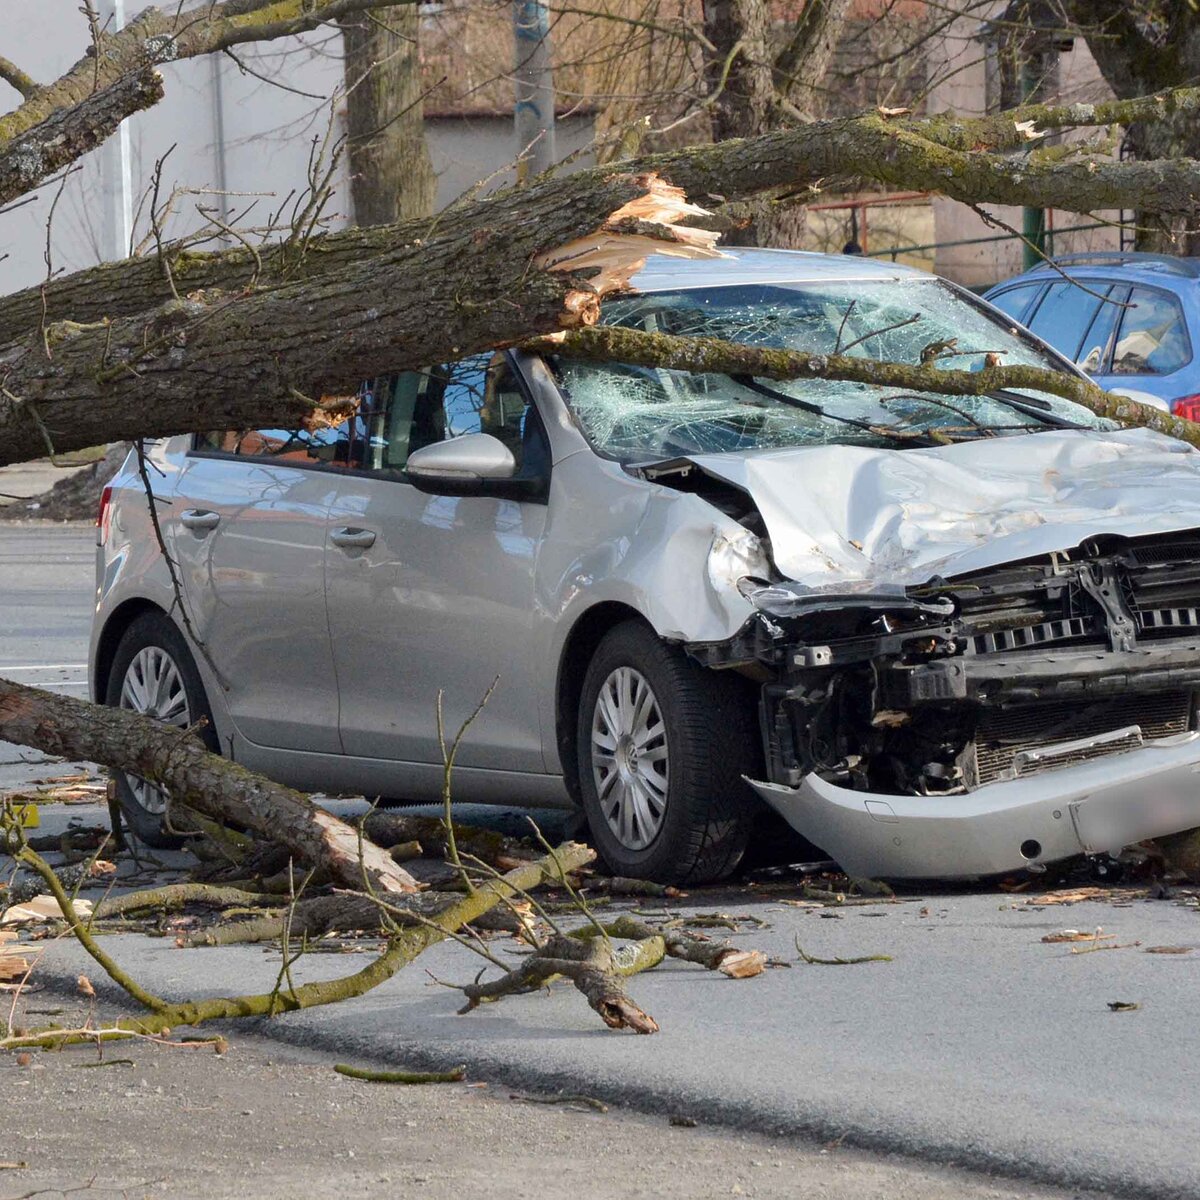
pixel 350 538
pixel 200 518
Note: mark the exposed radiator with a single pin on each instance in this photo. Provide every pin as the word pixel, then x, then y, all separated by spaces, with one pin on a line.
pixel 1001 734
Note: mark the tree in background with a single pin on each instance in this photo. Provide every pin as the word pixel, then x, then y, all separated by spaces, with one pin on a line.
pixel 391 174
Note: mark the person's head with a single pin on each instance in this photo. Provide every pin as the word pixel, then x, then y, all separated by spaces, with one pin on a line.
pixel 852 247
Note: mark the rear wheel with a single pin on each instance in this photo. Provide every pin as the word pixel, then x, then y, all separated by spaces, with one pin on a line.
pixel 153 673
pixel 662 747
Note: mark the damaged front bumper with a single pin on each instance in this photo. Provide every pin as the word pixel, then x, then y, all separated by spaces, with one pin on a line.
pixel 1094 807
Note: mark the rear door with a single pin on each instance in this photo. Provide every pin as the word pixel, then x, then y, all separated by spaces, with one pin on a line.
pixel 249 521
pixel 436 593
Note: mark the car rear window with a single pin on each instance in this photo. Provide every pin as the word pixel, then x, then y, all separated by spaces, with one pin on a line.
pixel 1153 338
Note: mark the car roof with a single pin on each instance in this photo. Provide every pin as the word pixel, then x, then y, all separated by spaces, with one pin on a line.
pixel 665 273
pixel 1162 270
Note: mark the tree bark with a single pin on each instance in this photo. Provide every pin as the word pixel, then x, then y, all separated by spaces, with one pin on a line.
pixel 257 357
pixel 69 133
pixel 391 173
pixel 485 275
pixel 208 783
pixel 867 146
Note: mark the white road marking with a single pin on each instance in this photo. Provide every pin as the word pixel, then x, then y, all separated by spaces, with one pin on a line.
pixel 48 667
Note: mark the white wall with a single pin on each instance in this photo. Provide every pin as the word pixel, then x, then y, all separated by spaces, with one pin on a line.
pixel 268 137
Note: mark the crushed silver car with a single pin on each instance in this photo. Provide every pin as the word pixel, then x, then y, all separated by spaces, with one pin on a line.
pixel 942 637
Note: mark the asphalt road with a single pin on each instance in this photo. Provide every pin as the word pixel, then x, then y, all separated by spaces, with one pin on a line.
pixel 977 1045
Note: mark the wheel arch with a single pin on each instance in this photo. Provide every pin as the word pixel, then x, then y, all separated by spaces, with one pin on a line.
pixel 581 644
pixel 119 620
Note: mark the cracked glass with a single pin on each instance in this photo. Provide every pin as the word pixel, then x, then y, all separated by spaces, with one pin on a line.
pixel 641 414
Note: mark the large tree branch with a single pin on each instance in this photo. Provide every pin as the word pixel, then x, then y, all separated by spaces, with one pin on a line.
pixel 194 776
pixel 937 154
pixel 69 133
pixel 612 343
pixel 216 362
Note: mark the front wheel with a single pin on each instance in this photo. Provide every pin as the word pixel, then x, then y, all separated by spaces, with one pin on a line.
pixel 153 673
pixel 663 744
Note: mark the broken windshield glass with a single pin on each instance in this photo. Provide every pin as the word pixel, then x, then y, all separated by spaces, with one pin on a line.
pixel 646 413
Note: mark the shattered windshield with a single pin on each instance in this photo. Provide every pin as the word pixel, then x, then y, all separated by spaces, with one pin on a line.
pixel 640 414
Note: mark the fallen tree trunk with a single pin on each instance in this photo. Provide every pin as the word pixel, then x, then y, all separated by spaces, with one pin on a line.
pixel 728 171
pixel 260 357
pixel 206 782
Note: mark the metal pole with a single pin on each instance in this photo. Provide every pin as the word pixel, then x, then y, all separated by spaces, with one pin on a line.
pixel 533 116
pixel 1033 220
pixel 116 175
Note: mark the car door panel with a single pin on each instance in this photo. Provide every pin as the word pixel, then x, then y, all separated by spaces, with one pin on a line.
pixel 442 601
pixel 249 537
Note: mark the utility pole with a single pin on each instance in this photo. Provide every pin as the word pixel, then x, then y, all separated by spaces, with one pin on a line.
pixel 114 158
pixel 534 112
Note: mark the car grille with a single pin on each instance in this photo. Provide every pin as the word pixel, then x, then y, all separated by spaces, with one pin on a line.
pixel 1163 586
pixel 1003 733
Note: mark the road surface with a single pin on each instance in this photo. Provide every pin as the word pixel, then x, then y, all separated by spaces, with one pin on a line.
pixel 978 1045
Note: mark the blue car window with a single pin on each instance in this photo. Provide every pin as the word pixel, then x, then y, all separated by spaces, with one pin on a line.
pixel 1096 347
pixel 1065 315
pixel 1153 338
pixel 1016 300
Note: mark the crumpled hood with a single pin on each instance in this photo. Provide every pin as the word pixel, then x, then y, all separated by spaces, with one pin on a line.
pixel 854 519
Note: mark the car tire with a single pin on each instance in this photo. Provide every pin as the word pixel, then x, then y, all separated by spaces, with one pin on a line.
pixel 668 806
pixel 152 657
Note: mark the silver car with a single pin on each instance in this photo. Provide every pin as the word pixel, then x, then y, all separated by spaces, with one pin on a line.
pixel 939 636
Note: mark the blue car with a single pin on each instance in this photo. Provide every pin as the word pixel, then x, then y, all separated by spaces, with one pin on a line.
pixel 1130 320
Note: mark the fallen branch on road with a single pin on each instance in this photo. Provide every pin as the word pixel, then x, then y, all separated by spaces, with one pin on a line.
pixel 402 948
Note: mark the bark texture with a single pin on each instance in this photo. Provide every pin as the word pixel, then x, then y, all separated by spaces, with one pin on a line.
pixel 391 173
pixel 213 786
pixel 69 133
pixel 259 357
pixel 905 153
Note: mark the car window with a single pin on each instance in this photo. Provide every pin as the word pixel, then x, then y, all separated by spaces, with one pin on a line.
pixel 1152 339
pixel 1096 347
pixel 1016 300
pixel 337 444
pixel 1065 314
pixel 411 409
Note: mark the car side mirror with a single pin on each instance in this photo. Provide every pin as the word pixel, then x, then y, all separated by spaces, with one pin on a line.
pixel 475 464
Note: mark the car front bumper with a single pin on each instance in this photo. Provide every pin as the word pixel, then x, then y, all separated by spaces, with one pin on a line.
pixel 1093 807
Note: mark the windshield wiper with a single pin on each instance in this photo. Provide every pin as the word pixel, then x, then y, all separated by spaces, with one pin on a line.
pixel 908 436
pixel 1033 407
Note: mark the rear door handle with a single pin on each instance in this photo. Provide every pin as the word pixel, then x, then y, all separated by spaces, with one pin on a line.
pixel 200 518
pixel 349 538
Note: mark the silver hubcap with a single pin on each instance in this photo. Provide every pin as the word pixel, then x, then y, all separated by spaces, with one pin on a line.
pixel 629 758
pixel 154 687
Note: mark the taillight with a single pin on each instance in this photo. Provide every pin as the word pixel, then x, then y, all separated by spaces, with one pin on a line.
pixel 103 516
pixel 1187 407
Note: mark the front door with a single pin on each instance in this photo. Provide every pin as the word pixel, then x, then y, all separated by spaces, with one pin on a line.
pixel 436 593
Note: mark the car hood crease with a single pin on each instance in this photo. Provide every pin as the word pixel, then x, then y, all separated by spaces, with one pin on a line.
pixel 847 519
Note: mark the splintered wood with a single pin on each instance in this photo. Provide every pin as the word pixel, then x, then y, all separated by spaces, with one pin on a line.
pixel 648 224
